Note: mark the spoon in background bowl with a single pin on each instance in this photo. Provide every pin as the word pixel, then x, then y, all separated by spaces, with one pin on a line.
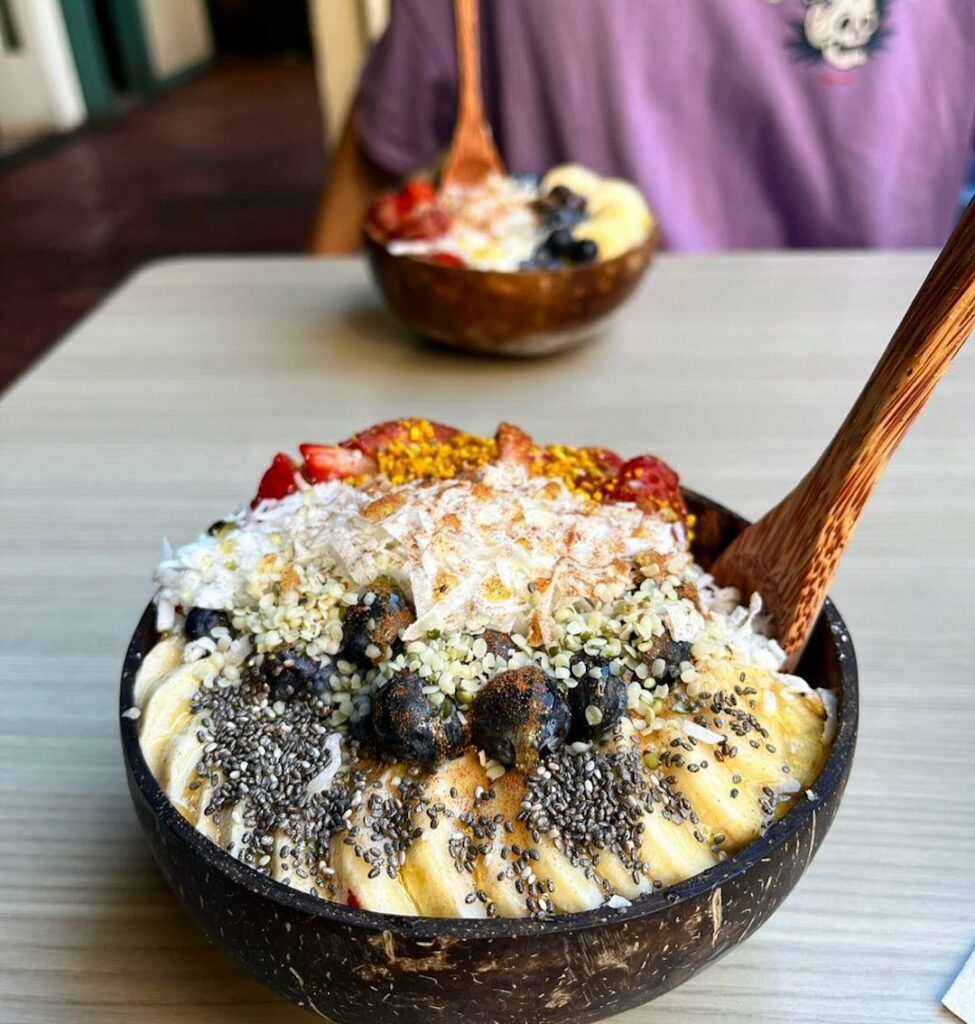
pixel 472 155
pixel 791 554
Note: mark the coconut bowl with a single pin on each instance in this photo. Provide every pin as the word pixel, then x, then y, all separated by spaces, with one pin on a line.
pixel 351 965
pixel 506 313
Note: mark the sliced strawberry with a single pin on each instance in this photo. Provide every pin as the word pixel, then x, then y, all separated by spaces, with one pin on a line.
pixel 353 901
pixel 607 467
pixel 279 480
pixel 608 461
pixel 514 445
pixel 650 483
pixel 382 435
pixel 448 259
pixel 325 462
pixel 416 193
pixel 410 215
pixel 426 223
pixel 384 216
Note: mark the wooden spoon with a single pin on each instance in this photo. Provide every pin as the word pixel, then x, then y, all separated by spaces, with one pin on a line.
pixel 472 155
pixel 791 554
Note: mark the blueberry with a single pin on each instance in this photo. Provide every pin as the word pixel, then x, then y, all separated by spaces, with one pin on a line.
pixel 375 621
pixel 582 250
pixel 559 242
pixel 201 622
pixel 362 730
pixel 289 673
pixel 499 643
pixel 596 688
pixel 541 259
pixel 520 716
pixel 562 217
pixel 562 195
pixel 672 653
pixel 409 728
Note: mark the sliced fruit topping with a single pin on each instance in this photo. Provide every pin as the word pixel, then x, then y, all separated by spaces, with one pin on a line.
pixel 414 448
pixel 424 225
pixel 383 435
pixel 410 214
pixel 514 445
pixel 324 462
pixel 448 259
pixel 416 193
pixel 384 215
pixel 649 483
pixel 278 481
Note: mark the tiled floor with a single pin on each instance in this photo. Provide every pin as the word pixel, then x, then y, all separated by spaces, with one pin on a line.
pixel 232 162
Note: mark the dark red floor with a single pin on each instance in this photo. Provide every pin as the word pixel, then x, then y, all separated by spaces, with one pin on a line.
pixel 232 162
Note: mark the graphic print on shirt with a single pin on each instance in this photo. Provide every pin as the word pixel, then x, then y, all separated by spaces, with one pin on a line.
pixel 841 33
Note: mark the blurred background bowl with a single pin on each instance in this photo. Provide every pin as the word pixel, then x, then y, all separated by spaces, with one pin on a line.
pixel 352 965
pixel 517 313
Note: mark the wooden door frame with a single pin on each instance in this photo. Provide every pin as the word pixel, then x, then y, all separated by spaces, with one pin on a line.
pixel 81 23
pixel 131 33
pixel 89 57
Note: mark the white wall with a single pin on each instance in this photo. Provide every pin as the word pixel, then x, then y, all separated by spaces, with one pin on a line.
pixel 177 34
pixel 39 87
pixel 342 31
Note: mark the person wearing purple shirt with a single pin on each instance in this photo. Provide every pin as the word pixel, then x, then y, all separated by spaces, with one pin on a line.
pixel 746 123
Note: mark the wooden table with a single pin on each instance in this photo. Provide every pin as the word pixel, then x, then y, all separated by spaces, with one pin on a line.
pixel 159 412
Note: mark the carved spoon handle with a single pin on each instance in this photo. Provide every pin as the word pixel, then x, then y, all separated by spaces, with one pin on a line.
pixel 791 554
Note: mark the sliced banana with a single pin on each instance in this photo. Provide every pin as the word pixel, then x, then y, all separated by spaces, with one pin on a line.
pixel 781 750
pixel 672 850
pixel 204 823
pixel 575 177
pixel 617 194
pixel 620 877
pixel 156 665
pixel 352 871
pixel 178 766
pixel 166 713
pixel 614 230
pixel 284 868
pixel 430 872
pixel 232 829
pixel 571 888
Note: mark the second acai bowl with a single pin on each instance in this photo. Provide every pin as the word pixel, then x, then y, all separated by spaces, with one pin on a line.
pixel 430 679
pixel 515 264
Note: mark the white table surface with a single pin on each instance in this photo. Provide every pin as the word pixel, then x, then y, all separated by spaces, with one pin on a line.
pixel 160 411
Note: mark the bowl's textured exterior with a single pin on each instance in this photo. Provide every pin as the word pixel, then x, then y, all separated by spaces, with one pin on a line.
pixel 524 313
pixel 353 965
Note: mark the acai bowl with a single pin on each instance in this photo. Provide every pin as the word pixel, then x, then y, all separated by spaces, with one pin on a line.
pixel 577 840
pixel 515 264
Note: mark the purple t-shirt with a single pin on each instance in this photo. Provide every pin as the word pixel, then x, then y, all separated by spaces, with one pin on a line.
pixel 746 123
